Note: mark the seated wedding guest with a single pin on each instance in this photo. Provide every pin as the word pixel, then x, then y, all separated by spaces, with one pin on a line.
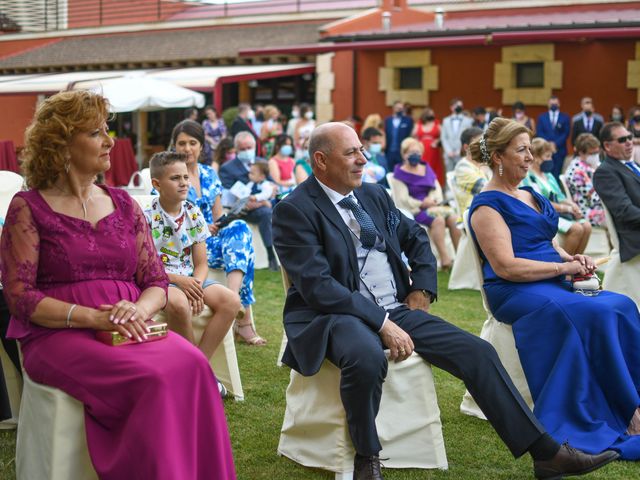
pixel 270 130
pixel 281 164
pixel 425 199
pixel 373 143
pixel 333 230
pixel 237 170
pixel 230 247
pixel 302 168
pixel 579 178
pixel 79 258
pixel 470 177
pixel 427 132
pixel 520 116
pixel 224 152
pixel 262 190
pixel 214 131
pixel 374 120
pixel 179 233
pixel 304 127
pixel 572 224
pixel 579 353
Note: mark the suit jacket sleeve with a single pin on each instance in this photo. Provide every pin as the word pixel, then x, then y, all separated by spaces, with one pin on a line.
pixel 612 192
pixel 563 132
pixel 226 177
pixel 301 251
pixel 445 136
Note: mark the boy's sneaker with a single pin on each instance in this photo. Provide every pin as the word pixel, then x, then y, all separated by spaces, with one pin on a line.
pixel 222 389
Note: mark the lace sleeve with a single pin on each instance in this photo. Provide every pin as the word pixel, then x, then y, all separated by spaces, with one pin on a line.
pixel 20 250
pixel 150 271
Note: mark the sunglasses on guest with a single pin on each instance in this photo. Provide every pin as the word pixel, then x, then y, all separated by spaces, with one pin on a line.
pixel 626 139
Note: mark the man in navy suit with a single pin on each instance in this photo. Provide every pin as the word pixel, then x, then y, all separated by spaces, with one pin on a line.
pixel 587 121
pixel 617 181
pixel 341 242
pixel 554 126
pixel 238 170
pixel 397 127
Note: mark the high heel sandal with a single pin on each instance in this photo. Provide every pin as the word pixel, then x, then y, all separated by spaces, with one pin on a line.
pixel 254 340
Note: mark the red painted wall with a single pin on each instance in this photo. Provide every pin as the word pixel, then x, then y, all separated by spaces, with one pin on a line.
pixel 93 13
pixel 597 69
pixel 17 112
pixel 343 92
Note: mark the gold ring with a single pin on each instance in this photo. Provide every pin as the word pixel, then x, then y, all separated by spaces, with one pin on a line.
pixel 402 351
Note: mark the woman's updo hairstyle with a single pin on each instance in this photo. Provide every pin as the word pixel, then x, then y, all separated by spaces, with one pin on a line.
pixel 496 139
pixel 56 121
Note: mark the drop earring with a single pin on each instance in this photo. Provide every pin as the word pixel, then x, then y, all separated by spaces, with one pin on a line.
pixel 500 169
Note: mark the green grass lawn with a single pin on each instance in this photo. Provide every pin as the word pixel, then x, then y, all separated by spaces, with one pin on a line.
pixel 474 451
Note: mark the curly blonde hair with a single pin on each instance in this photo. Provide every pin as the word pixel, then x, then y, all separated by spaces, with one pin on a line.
pixel 54 124
pixel 496 139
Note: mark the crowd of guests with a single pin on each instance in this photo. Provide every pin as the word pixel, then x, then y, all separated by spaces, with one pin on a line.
pixel 65 277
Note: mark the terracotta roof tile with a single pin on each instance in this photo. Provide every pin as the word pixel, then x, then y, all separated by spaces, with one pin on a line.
pixel 158 47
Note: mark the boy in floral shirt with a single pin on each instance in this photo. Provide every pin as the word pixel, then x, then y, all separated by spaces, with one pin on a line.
pixel 179 233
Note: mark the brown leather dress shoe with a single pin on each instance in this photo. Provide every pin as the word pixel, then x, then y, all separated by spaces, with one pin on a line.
pixel 367 468
pixel 569 461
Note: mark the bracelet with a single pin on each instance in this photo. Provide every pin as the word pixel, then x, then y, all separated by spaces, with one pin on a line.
pixel 68 322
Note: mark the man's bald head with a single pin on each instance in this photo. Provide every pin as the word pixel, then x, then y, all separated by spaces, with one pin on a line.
pixel 338 158
pixel 321 139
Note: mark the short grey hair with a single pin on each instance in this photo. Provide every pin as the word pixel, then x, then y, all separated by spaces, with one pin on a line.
pixel 240 136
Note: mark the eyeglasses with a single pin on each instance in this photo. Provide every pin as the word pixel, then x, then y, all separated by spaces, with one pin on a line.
pixel 626 139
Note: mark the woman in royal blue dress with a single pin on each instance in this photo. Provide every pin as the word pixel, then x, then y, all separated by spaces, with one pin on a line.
pixel 580 355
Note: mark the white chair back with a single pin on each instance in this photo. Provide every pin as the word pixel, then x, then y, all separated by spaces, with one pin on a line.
pixel 611 227
pixel 453 186
pixel 10 184
pixel 144 200
pixel 500 335
pixel 143 178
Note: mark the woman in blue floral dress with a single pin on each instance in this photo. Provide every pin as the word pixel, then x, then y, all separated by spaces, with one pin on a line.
pixel 230 247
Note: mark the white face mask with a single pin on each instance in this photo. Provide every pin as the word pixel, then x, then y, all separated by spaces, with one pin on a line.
pixel 593 160
pixel 308 115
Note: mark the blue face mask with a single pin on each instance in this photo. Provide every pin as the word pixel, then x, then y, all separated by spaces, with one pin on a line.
pixel 414 159
pixel 547 166
pixel 286 150
pixel 553 108
pixel 247 156
pixel 375 148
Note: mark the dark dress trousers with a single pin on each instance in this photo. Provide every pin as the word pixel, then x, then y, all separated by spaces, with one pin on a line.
pixel 619 189
pixel 326 316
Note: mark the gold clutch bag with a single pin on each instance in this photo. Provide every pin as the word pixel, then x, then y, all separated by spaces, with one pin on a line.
pixel 116 339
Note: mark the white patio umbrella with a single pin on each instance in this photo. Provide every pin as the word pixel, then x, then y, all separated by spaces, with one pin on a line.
pixel 140 93
pixel 131 93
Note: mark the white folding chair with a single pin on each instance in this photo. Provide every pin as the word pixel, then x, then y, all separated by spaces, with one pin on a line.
pixel 462 274
pixel 621 277
pixel 315 433
pixel 10 184
pixel 52 442
pixel 500 335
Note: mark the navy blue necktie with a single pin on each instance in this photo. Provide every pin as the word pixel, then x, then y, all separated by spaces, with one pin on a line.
pixel 368 231
pixel 255 189
pixel 633 166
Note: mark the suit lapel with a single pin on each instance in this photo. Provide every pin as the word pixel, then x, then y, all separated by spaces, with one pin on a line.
pixel 328 209
pixel 624 169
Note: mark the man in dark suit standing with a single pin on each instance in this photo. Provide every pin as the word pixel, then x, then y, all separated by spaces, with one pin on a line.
pixel 586 122
pixel 340 241
pixel 397 127
pixel 617 181
pixel 242 123
pixel 554 126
